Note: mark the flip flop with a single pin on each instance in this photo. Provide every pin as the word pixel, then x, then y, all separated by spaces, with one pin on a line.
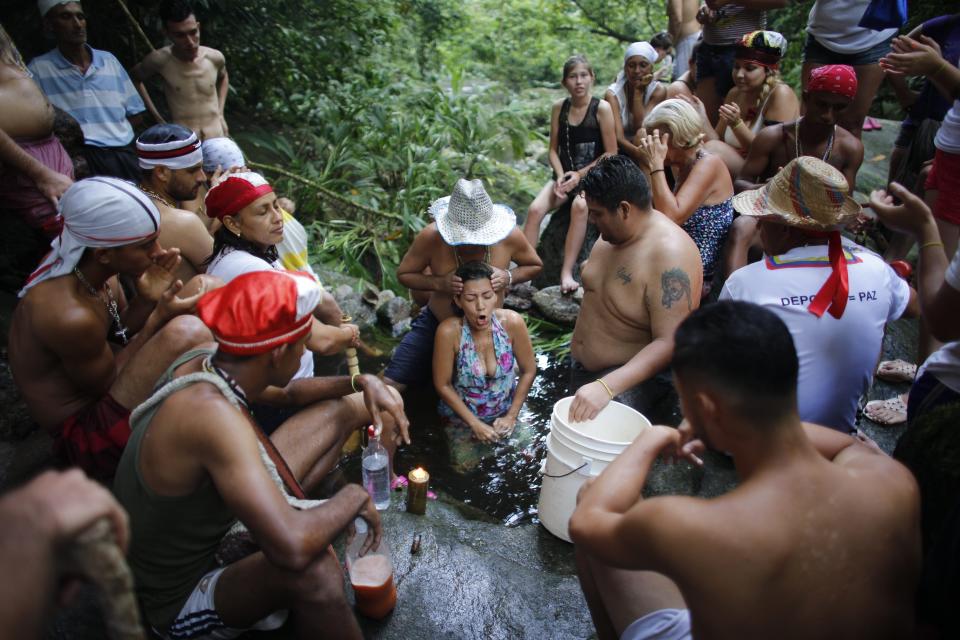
pixel 896 371
pixel 890 412
pixel 871 124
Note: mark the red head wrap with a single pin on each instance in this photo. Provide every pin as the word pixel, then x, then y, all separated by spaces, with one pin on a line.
pixel 834 78
pixel 234 192
pixel 260 311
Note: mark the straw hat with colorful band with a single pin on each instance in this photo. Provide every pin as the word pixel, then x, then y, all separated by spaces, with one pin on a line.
pixel 809 194
pixel 260 311
pixel 468 216
pixel 765 48
pixel 177 154
pixel 234 192
pixel 840 79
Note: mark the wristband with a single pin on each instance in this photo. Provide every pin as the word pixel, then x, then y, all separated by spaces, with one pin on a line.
pixel 353 382
pixel 734 125
pixel 604 385
pixel 656 170
pixel 930 244
pixel 509 278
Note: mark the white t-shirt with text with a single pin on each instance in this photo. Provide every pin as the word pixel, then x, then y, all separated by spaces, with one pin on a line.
pixel 837 356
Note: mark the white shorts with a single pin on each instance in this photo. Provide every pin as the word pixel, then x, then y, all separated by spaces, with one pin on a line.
pixel 198 619
pixel 665 624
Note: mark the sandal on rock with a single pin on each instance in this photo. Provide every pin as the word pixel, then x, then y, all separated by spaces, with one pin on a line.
pixel 889 412
pixel 897 371
pixel 871 124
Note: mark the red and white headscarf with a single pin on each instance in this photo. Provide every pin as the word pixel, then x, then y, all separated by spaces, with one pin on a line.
pixel 178 154
pixel 840 79
pixel 97 212
pixel 260 311
pixel 234 192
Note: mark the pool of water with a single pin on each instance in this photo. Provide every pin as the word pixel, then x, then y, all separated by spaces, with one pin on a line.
pixel 501 480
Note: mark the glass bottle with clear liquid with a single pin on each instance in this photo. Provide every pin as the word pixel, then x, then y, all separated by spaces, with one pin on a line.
pixel 376 471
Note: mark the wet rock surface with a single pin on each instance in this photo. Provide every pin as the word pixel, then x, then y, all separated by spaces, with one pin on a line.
pixel 556 307
pixel 550 247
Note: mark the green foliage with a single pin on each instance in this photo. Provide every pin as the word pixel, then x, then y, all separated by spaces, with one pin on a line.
pixel 548 337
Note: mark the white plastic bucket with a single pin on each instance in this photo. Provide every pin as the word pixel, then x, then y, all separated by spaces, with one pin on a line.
pixel 580 450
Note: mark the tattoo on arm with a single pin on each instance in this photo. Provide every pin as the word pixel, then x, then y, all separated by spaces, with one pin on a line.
pixel 623 275
pixel 675 284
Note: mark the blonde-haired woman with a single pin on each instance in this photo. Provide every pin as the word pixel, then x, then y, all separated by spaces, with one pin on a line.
pixel 672 136
pixel 758 99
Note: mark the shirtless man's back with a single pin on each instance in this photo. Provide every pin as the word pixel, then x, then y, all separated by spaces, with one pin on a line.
pixel 821 539
pixel 194 78
pixel 639 282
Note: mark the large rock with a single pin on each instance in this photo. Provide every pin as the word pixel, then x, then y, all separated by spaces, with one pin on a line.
pixel 353 305
pixel 550 247
pixel 332 279
pixel 556 307
pixel 395 313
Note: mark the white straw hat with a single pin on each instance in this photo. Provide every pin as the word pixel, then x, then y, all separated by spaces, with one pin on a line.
pixel 807 193
pixel 468 216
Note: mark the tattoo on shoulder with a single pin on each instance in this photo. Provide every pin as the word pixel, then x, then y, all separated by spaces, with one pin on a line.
pixel 623 275
pixel 675 284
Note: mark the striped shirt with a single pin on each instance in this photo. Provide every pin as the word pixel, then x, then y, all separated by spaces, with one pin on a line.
pixel 732 23
pixel 100 99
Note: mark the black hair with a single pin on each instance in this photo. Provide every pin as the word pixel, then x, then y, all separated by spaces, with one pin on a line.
pixel 175 11
pixel 166 132
pixel 662 40
pixel 474 270
pixel 224 240
pixel 743 350
pixel 615 179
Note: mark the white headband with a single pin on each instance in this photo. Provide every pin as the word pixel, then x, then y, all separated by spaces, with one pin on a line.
pixel 643 49
pixel 45 5
pixel 179 154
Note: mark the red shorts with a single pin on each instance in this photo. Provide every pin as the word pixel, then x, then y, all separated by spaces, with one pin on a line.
pixel 944 176
pixel 94 437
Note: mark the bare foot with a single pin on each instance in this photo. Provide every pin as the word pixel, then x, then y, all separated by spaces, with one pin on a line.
pixel 567 284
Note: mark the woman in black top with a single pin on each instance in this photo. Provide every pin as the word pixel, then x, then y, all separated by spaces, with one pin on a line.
pixel 581 131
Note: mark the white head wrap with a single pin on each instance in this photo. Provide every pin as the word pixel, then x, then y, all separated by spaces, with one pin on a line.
pixel 97 212
pixel 46 5
pixel 223 153
pixel 643 49
pixel 179 154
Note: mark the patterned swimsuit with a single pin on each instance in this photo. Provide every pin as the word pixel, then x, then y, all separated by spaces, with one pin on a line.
pixel 708 227
pixel 487 396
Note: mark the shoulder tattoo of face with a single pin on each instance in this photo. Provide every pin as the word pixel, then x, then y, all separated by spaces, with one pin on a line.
pixel 675 284
pixel 623 275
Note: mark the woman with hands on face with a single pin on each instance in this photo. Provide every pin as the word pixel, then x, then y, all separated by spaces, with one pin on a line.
pixel 574 149
pixel 701 202
pixel 477 358
pixel 633 94
pixel 758 98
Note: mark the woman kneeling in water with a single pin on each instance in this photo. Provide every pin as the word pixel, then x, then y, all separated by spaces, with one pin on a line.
pixel 476 358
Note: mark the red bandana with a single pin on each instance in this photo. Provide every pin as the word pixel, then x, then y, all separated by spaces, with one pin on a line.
pixel 234 192
pixel 834 293
pixel 834 78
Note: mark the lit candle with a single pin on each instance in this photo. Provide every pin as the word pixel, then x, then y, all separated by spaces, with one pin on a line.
pixel 417 491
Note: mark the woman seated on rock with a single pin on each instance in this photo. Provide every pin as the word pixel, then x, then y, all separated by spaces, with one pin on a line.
pixel 701 203
pixel 581 132
pixel 758 99
pixel 633 94
pixel 476 359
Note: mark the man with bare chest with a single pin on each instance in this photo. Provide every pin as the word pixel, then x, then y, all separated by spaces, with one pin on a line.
pixel 81 356
pixel 35 169
pixel 640 282
pixel 467 227
pixel 194 77
pixel 684 30
pixel 829 93
pixel 172 164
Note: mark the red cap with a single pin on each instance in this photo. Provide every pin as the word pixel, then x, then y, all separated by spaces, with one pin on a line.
pixel 260 311
pixel 834 78
pixel 234 192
